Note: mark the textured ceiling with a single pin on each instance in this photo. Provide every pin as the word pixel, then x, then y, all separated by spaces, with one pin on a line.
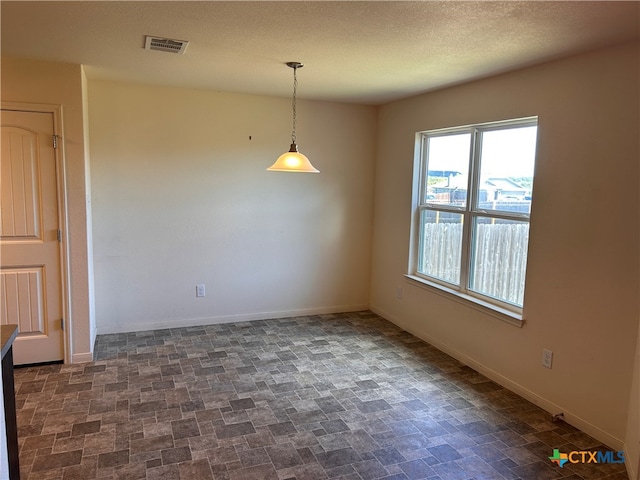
pixel 364 52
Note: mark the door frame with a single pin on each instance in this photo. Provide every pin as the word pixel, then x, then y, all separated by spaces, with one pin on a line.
pixel 61 185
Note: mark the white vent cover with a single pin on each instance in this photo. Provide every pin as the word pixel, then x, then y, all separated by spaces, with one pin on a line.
pixel 165 44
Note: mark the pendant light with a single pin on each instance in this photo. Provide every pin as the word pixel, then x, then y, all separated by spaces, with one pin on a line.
pixel 293 161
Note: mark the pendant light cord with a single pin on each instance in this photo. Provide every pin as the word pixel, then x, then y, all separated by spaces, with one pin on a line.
pixel 293 104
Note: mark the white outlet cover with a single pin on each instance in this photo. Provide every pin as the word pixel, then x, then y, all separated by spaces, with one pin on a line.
pixel 547 358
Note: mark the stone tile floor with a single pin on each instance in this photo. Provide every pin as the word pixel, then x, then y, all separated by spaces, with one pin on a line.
pixel 345 396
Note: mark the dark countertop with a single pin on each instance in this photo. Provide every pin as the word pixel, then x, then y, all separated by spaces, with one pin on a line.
pixel 8 334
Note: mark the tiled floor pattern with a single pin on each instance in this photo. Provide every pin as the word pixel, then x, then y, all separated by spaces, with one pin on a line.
pixel 345 396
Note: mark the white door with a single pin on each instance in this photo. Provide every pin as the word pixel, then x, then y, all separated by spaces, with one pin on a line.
pixel 30 270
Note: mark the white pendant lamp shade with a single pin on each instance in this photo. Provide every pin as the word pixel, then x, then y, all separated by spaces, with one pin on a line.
pixel 293 160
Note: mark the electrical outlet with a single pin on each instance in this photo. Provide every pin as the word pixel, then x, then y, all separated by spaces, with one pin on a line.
pixel 547 358
pixel 200 292
pixel 399 293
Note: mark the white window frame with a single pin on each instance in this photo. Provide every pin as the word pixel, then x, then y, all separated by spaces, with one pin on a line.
pixel 462 293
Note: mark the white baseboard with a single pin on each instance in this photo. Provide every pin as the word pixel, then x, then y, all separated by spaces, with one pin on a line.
pixel 82 357
pixel 194 322
pixel 547 405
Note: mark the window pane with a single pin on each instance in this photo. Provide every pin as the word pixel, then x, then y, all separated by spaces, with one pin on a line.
pixel 440 245
pixel 499 259
pixel 448 169
pixel 506 169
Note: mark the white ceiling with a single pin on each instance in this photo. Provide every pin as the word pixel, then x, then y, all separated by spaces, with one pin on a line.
pixel 354 51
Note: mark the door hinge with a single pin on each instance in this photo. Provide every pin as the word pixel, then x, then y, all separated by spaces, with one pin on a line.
pixel 59 235
pixel 55 140
pixel 62 323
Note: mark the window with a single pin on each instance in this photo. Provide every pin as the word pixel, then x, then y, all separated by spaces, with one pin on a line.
pixel 471 226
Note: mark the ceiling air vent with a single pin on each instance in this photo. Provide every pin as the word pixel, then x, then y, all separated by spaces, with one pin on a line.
pixel 165 44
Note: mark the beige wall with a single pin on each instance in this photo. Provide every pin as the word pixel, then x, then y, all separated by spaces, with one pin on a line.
pixel 32 81
pixel 181 197
pixel 582 285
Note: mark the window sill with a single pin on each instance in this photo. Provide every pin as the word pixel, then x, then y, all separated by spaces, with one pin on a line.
pixel 503 314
